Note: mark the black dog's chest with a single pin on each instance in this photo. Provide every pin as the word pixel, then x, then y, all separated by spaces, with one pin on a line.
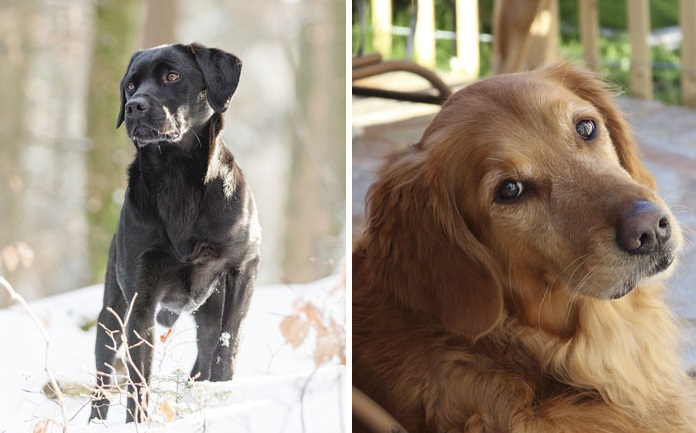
pixel 180 221
pixel 192 217
pixel 183 273
pixel 195 252
pixel 185 232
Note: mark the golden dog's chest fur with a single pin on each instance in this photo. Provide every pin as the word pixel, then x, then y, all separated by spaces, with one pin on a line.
pixel 476 313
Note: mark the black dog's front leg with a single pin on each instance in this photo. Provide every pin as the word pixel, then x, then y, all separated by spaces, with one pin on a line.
pixel 208 324
pixel 140 331
pixel 239 288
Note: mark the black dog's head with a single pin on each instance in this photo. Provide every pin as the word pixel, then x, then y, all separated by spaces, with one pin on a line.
pixel 170 90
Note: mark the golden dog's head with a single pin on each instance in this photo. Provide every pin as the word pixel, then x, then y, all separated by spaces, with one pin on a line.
pixel 523 186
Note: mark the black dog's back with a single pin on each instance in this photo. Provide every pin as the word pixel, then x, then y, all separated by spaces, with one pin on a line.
pixel 188 237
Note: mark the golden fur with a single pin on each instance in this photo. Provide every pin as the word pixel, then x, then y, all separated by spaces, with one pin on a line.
pixel 476 315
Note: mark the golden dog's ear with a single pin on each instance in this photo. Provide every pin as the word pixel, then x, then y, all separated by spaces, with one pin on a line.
pixel 588 87
pixel 418 247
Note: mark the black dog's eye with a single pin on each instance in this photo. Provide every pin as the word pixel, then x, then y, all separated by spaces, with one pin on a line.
pixel 172 76
pixel 130 86
pixel 510 189
pixel 586 129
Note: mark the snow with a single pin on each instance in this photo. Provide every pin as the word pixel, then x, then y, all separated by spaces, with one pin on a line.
pixel 277 388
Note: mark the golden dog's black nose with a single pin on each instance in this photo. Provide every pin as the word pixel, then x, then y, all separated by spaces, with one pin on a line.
pixel 643 229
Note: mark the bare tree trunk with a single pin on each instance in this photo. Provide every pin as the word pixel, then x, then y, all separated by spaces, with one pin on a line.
pixel 314 241
pixel 160 23
pixel 45 51
pixel 116 38
pixel 13 70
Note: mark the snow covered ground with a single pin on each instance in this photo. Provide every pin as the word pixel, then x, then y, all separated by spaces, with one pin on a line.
pixel 277 388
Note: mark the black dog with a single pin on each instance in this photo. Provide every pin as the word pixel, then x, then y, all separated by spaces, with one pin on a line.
pixel 188 237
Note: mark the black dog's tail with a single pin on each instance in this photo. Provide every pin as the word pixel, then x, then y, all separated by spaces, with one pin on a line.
pixel 167 318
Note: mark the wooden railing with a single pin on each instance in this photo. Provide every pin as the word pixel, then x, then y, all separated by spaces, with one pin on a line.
pixel 467 58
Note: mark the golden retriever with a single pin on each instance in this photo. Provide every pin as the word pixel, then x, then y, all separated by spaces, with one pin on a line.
pixel 511 275
pixel 525 34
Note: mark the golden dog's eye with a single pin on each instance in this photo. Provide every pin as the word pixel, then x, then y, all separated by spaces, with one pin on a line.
pixel 510 189
pixel 586 129
pixel 172 76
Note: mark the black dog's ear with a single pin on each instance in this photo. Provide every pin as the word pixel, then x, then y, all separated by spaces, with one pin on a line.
pixel 221 71
pixel 122 90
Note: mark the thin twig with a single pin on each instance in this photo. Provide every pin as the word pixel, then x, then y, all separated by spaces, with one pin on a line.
pixel 302 395
pixel 129 360
pixel 47 366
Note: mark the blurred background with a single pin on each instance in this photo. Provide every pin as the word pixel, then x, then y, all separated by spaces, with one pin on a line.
pixel 398 39
pixel 62 160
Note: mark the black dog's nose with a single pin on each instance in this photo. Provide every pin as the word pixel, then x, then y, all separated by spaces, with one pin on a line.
pixel 136 107
pixel 643 228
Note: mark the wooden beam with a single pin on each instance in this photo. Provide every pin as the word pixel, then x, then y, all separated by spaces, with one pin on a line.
pixel 641 59
pixel 589 33
pixel 424 39
pixel 687 19
pixel 381 26
pixel 467 62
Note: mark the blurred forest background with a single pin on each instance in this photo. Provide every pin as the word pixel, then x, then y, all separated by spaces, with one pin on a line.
pixel 62 160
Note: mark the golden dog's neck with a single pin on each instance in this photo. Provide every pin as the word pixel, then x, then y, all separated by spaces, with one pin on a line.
pixel 553 310
pixel 570 335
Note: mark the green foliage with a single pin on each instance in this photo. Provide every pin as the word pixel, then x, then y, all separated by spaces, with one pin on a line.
pixel 613 14
pixel 615 53
pixel 666 75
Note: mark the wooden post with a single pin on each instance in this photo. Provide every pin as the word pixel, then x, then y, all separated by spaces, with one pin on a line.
pixel 641 67
pixel 424 39
pixel 467 60
pixel 589 33
pixel 381 25
pixel 687 18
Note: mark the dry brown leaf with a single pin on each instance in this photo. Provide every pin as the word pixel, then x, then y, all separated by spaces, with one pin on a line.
pixel 165 336
pixel 26 254
pixel 336 328
pixel 328 346
pixel 330 332
pixel 322 330
pixel 10 257
pixel 41 426
pixel 298 305
pixel 294 329
pixel 312 312
pixel 166 410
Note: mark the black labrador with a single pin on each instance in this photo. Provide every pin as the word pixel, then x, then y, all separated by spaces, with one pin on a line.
pixel 188 236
